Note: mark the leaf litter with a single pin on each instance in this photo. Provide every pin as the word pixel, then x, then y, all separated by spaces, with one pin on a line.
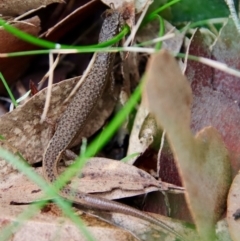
pixel 215 101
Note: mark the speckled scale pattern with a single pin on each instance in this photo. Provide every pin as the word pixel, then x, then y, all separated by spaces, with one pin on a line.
pixel 84 101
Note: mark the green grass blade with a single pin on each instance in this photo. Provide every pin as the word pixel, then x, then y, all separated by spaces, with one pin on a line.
pixel 8 90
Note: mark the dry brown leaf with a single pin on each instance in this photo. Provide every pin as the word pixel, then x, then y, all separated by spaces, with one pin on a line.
pixel 20 190
pixel 9 43
pixel 145 231
pixel 23 131
pixel 202 160
pixel 233 209
pixel 49 224
pixel 114 179
pixel 100 176
pixel 17 7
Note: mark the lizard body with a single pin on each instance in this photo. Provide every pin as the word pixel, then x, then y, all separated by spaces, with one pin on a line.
pixel 75 117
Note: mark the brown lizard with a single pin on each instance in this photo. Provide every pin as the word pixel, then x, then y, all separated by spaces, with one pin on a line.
pixel 75 117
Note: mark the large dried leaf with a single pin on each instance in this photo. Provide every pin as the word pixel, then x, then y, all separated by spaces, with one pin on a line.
pixel 115 179
pixel 112 180
pixel 146 231
pixel 20 190
pixel 49 224
pixel 23 131
pixel 17 7
pixel 202 160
